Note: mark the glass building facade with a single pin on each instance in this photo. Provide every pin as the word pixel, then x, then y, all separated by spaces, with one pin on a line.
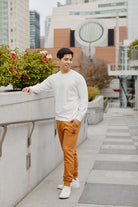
pixel 4 22
pixel 47 27
pixel 34 29
pixel 69 2
pixel 97 12
pixel 132 19
pixel 14 23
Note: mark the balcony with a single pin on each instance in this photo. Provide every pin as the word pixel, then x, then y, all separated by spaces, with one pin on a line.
pixel 127 67
pixel 29 144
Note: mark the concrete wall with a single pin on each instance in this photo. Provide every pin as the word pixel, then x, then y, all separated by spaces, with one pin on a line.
pixel 112 91
pixel 95 110
pixel 45 151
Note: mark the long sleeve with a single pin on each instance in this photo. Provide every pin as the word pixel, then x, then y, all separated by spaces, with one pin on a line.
pixel 83 94
pixel 45 85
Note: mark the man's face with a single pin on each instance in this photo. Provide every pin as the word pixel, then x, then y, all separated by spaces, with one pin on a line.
pixel 65 63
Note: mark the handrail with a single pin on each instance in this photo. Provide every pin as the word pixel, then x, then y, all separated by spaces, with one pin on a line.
pixel 26 121
pixel 5 125
pixel 2 139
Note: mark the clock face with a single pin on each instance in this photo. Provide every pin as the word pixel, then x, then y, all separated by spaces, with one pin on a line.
pixel 91 32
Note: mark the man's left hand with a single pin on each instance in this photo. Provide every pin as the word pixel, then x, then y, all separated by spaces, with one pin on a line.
pixel 76 121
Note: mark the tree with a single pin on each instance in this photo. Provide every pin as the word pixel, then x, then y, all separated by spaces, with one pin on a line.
pixel 95 72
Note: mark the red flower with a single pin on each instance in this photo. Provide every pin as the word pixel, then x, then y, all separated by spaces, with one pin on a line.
pixel 15 58
pixel 17 75
pixel 11 69
pixel 13 54
pixel 45 56
pixel 17 69
pixel 24 77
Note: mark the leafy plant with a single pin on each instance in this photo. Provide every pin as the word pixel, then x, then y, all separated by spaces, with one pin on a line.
pixel 23 69
pixel 6 65
pixel 93 91
pixel 134 43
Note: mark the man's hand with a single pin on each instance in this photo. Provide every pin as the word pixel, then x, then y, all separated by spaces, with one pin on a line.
pixel 76 121
pixel 27 90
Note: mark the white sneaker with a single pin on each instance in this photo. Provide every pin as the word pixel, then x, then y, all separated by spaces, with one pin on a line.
pixel 75 184
pixel 60 187
pixel 65 193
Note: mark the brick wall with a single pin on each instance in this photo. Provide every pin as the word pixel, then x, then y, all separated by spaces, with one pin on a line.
pixel 62 37
pixel 108 53
pixel 122 34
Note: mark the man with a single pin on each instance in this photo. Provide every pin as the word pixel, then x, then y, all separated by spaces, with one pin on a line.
pixel 71 100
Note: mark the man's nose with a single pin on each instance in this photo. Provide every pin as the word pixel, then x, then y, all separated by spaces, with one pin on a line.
pixel 68 61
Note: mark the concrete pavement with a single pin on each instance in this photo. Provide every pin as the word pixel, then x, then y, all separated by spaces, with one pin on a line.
pixel 108 167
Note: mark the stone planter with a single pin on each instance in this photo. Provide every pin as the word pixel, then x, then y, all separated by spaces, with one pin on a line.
pixel 95 110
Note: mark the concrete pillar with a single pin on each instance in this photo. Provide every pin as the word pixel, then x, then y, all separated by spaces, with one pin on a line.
pixel 136 93
pixel 123 87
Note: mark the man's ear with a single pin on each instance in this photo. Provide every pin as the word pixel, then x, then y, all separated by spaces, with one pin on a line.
pixel 58 62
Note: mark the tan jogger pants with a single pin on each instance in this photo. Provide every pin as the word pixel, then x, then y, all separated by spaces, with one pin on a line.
pixel 68 135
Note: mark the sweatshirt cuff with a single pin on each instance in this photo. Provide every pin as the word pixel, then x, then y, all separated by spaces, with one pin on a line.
pixel 79 117
pixel 32 89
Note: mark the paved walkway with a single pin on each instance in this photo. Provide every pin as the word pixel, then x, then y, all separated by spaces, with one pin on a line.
pixel 108 167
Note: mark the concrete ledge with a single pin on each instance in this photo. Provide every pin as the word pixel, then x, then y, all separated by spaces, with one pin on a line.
pixel 25 162
pixel 95 110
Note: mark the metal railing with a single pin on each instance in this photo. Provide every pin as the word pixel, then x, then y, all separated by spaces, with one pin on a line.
pixel 5 128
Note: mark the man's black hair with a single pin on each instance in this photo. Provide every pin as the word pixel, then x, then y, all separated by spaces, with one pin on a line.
pixel 64 51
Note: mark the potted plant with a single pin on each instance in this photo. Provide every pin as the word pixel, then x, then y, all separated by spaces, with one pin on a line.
pixel 95 105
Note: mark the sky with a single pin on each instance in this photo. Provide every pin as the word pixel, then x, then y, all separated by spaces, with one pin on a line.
pixel 44 8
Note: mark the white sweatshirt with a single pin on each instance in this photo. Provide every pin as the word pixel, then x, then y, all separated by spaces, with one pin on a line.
pixel 71 95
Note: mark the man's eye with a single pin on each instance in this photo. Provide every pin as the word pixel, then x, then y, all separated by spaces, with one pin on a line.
pixel 67 59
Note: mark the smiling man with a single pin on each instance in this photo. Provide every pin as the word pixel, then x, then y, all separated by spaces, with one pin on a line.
pixel 71 100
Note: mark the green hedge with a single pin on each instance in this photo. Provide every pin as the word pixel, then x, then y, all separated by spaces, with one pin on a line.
pixel 23 69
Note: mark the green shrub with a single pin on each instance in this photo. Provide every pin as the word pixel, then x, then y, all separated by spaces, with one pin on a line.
pixel 23 69
pixel 134 43
pixel 93 91
pixel 6 63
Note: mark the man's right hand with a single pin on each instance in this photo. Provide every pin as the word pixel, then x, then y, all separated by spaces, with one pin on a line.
pixel 27 90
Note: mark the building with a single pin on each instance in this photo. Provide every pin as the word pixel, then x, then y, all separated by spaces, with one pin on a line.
pixel 132 19
pixel 14 23
pixel 91 24
pixel 69 2
pixel 128 71
pixel 4 22
pixel 47 27
pixel 34 29
pixel 42 41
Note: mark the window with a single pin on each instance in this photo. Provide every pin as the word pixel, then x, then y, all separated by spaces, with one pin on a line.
pixel 97 12
pixel 91 32
pixel 113 4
